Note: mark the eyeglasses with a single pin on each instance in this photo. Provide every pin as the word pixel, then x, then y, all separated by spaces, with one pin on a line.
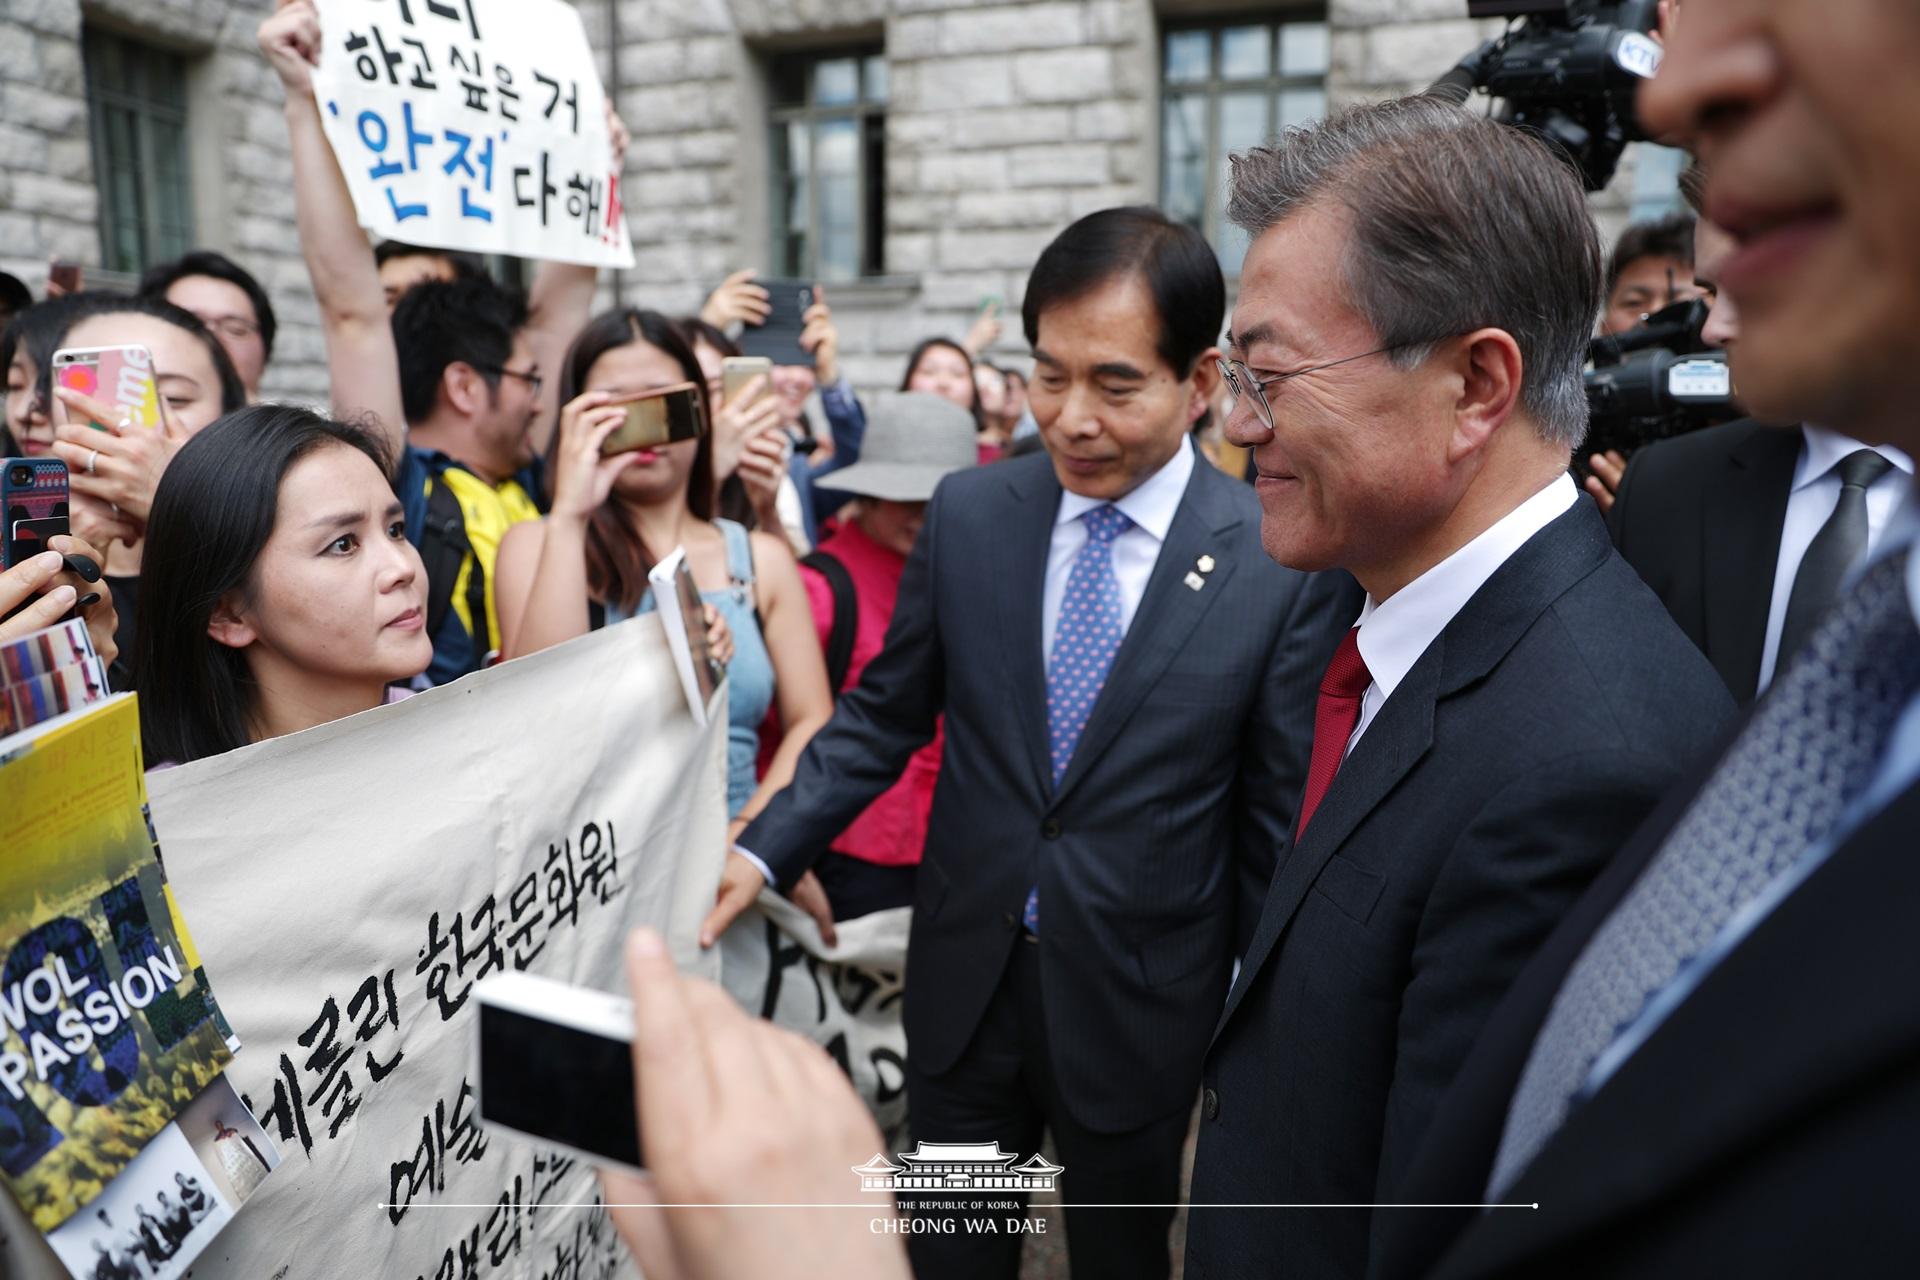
pixel 529 376
pixel 1241 384
pixel 231 326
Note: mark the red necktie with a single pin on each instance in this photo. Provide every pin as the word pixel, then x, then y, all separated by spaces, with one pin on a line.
pixel 1338 710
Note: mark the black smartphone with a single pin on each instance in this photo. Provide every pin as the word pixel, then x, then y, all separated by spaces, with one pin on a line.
pixel 34 498
pixel 778 336
pixel 555 1064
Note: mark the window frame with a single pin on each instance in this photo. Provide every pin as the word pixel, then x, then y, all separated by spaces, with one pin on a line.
pixel 1214 86
pixel 149 115
pixel 868 114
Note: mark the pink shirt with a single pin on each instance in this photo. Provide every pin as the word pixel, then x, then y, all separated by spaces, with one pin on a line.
pixel 893 830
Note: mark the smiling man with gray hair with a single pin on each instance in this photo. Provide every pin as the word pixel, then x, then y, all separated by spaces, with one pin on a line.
pixel 1510 701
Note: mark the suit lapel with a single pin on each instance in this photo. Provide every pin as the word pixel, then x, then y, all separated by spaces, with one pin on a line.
pixel 1169 611
pixel 1396 740
pixel 1036 503
pixel 1664 1119
pixel 1466 650
pixel 1742 517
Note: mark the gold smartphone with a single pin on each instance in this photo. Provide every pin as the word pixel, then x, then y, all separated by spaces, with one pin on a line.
pixel 737 371
pixel 656 418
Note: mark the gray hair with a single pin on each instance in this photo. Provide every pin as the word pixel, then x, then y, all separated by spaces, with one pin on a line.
pixel 1459 223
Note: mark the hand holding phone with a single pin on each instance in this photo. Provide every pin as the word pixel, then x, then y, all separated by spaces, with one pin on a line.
pixel 777 337
pixel 35 502
pixel 118 381
pixel 556 1064
pixel 736 377
pixel 658 418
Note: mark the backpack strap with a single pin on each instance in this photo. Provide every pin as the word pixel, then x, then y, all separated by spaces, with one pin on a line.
pixel 443 546
pixel 846 615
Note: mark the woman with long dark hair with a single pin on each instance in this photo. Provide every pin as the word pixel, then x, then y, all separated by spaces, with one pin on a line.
pixel 279 590
pixel 586 563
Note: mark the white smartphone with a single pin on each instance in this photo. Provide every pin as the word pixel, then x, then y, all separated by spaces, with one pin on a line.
pixel 555 1064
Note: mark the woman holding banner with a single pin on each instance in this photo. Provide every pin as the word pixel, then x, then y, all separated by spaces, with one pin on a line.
pixel 613 518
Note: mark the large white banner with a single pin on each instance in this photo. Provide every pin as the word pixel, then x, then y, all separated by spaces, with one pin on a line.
pixel 473 124
pixel 349 885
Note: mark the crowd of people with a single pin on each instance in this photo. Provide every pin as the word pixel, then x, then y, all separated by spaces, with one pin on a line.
pixel 1506 875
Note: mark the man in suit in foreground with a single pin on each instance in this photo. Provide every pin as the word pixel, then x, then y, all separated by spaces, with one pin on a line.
pixel 1713 1066
pixel 1746 530
pixel 1124 682
pixel 1511 700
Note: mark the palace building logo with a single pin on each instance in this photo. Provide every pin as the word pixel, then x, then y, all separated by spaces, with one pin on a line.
pixel 957 1167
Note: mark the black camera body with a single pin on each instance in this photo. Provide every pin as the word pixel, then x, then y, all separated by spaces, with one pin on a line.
pixel 1568 71
pixel 1654 381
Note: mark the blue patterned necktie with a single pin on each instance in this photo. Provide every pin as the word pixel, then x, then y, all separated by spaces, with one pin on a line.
pixel 1085 639
pixel 1808 752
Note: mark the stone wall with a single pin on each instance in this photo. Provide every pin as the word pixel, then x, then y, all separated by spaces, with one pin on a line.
pixel 243 205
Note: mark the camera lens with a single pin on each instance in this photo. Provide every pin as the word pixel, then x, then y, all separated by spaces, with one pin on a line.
pixel 20 475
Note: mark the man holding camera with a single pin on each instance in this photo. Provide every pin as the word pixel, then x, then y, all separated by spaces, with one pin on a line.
pixel 1745 530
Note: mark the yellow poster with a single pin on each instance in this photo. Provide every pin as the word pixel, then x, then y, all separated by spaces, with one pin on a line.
pixel 107 1025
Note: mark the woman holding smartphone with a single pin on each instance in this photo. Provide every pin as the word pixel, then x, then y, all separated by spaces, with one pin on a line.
pixel 279 589
pixel 114 466
pixel 586 563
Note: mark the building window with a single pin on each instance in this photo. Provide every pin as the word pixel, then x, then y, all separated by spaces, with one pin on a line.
pixel 828 115
pixel 1227 86
pixel 137 99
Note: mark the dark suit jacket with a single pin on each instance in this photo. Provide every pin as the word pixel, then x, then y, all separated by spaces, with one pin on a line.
pixel 1766 1129
pixel 1699 518
pixel 1522 748
pixel 1159 838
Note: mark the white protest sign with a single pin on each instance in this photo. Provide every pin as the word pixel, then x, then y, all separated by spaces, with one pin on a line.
pixel 473 124
pixel 845 998
pixel 348 886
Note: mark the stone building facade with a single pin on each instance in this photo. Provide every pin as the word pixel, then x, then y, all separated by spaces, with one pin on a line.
pixel 997 122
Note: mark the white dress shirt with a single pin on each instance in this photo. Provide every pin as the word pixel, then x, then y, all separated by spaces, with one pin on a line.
pixel 1151 506
pixel 1396 631
pixel 1816 491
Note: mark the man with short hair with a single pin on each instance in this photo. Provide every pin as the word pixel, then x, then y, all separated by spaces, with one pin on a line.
pixel 228 300
pixel 470 389
pixel 402 266
pixel 1123 676
pixel 1713 1067
pixel 1510 700
pixel 1651 267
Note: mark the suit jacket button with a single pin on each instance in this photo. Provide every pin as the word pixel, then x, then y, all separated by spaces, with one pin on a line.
pixel 1050 829
pixel 1210 1104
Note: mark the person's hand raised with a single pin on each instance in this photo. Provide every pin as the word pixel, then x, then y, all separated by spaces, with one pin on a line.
pixel 737 299
pixel 290 38
pixel 113 462
pixel 582 477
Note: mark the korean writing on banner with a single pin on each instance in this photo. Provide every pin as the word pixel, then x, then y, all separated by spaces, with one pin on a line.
pixel 358 880
pixel 473 124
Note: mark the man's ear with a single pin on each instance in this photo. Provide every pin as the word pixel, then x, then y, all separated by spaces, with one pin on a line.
pixel 228 625
pixel 464 390
pixel 1490 368
pixel 1206 384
